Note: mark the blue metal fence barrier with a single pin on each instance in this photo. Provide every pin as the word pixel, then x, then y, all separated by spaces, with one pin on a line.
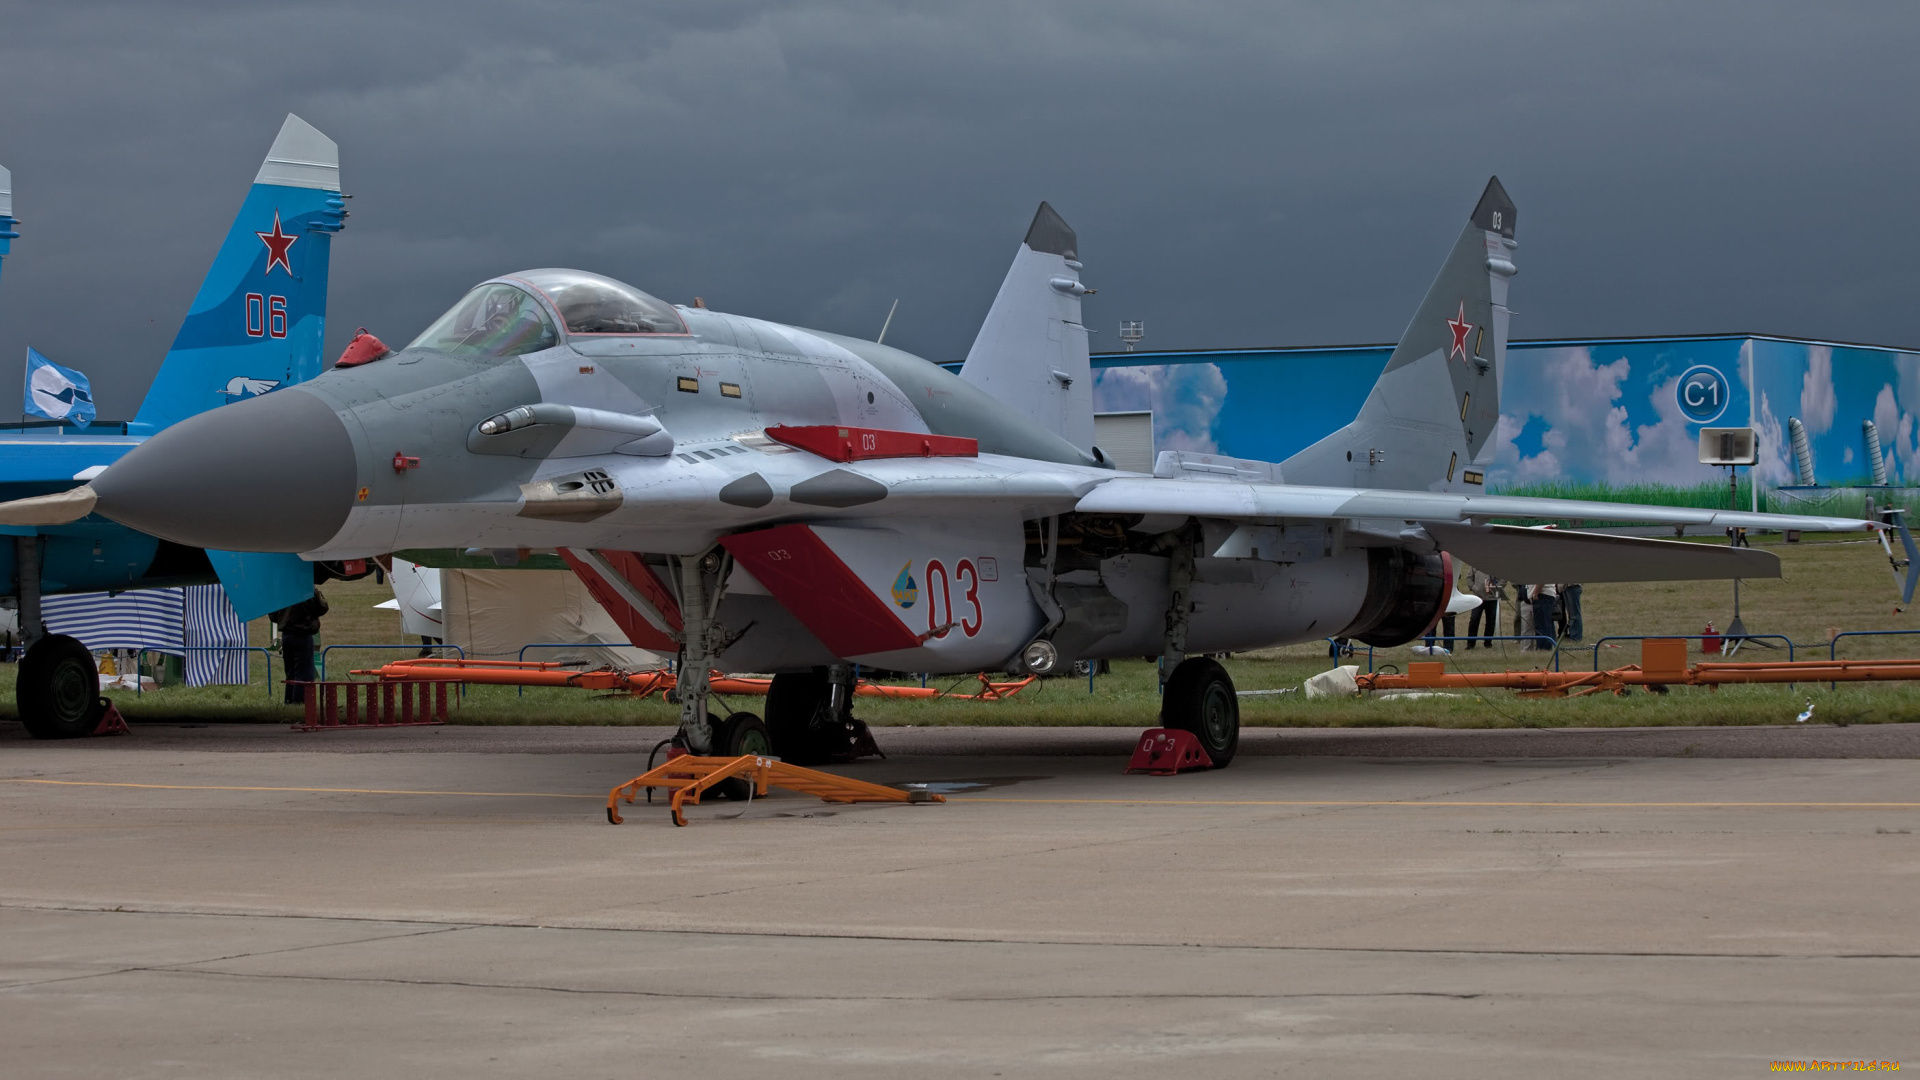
pixel 1833 647
pixel 1539 639
pixel 521 691
pixel 1689 637
pixel 413 647
pixel 139 688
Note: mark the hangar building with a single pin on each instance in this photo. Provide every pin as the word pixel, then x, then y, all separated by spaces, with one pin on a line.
pixel 1605 418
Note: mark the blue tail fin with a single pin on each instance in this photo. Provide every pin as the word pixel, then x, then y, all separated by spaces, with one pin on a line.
pixel 260 317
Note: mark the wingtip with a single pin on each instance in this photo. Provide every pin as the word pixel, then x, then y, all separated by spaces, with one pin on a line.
pixel 301 156
pixel 1495 212
pixel 6 192
pixel 1051 233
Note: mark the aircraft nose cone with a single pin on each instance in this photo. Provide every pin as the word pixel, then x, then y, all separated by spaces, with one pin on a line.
pixel 272 473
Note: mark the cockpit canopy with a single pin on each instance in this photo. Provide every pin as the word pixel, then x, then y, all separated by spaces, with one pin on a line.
pixel 504 318
pixel 591 304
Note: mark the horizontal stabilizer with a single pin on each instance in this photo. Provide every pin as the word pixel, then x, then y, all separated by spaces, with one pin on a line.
pixel 1536 556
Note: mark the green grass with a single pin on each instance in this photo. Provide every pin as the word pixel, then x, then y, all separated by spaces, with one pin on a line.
pixel 1709 495
pixel 1845 500
pixel 1829 585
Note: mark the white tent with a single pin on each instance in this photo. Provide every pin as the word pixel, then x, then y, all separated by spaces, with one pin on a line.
pixel 492 614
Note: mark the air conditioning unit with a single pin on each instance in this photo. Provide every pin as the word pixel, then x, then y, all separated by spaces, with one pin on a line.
pixel 1728 446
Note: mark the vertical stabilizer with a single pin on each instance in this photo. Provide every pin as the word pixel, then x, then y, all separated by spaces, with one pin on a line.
pixel 1031 352
pixel 1430 422
pixel 259 320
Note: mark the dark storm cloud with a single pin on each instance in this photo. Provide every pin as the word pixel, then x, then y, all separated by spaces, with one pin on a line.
pixel 1239 173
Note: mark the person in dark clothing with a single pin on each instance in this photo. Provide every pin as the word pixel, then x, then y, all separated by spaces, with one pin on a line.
pixel 1488 589
pixel 1570 602
pixel 299 625
pixel 1546 607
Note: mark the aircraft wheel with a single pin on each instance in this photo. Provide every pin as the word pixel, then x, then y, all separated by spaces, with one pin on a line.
pixel 740 734
pixel 58 692
pixel 1199 698
pixel 793 701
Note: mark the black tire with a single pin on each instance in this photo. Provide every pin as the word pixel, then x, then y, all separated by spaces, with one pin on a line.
pixel 740 734
pixel 793 702
pixel 1199 698
pixel 58 692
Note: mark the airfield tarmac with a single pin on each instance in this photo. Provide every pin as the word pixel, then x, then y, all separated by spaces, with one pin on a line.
pixel 243 901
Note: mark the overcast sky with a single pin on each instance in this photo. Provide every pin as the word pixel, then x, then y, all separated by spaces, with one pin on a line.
pixel 1240 174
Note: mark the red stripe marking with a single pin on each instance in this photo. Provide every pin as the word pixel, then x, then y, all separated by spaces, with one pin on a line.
pixel 822 591
pixel 859 443
pixel 632 567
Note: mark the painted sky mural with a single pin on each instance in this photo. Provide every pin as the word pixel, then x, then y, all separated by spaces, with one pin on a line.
pixel 1615 413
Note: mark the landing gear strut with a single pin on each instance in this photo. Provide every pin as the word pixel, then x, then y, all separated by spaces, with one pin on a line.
pixel 1196 694
pixel 810 717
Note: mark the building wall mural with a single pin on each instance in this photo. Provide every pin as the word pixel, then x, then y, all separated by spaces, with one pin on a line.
pixel 1613 419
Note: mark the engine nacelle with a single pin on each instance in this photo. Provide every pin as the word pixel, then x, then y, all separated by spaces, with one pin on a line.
pixel 1406 593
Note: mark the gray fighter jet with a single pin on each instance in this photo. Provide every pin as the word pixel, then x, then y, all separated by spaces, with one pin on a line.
pixel 759 497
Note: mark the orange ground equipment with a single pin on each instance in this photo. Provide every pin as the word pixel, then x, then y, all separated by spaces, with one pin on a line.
pixel 1663 662
pixel 639 683
pixel 687 776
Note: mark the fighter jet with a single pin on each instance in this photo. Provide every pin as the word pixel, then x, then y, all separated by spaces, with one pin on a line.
pixel 256 325
pixel 761 497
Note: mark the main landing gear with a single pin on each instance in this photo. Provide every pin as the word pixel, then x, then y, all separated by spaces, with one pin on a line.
pixel 810 717
pixel 1196 695
pixel 57 686
pixel 58 689
pixel 1199 698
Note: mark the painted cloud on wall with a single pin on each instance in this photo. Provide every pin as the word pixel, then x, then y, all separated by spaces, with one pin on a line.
pixel 1185 399
pixel 1817 398
pixel 1580 410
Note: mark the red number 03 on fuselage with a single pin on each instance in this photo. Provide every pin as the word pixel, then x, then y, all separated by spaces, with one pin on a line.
pixel 941 593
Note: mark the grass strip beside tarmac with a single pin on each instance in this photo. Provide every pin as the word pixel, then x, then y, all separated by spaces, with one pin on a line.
pixel 1828 586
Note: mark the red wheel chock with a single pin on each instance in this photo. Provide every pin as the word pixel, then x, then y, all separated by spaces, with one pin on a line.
pixel 111 722
pixel 1165 751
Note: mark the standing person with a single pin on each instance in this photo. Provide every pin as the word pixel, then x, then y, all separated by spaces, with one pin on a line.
pixel 1546 605
pixel 1522 615
pixel 1570 600
pixel 1488 589
pixel 299 625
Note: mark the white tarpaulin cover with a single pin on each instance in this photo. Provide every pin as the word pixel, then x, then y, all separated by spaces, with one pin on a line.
pixel 493 613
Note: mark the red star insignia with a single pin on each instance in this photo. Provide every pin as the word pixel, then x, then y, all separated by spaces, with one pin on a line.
pixel 277 244
pixel 1458 324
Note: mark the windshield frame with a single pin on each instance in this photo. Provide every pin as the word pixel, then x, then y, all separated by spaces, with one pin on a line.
pixel 520 281
pixel 535 302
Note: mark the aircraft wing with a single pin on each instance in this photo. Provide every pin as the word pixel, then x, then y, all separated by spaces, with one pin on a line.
pixel 1517 554
pixel 1233 500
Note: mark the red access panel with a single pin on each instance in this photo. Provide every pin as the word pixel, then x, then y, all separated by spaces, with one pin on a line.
pixel 858 443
